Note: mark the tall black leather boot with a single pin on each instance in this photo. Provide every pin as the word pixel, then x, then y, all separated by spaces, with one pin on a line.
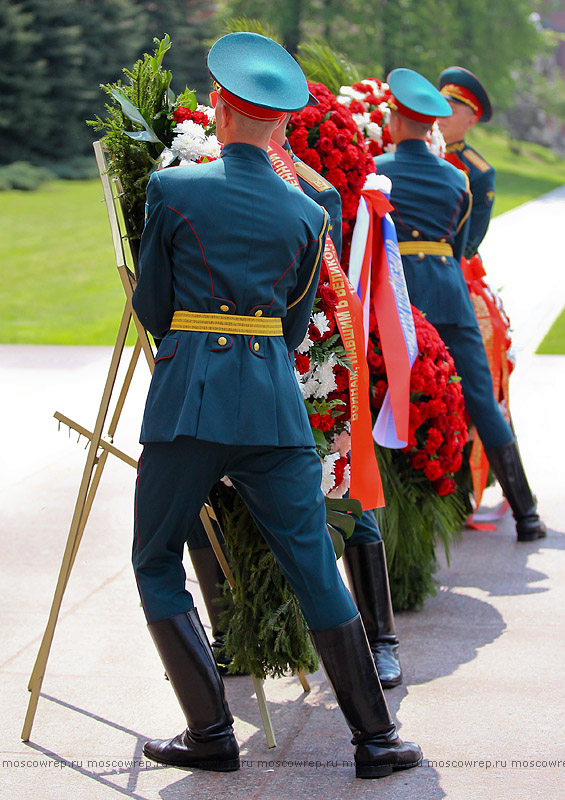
pixel 208 742
pixel 509 472
pixel 350 669
pixel 365 566
pixel 209 574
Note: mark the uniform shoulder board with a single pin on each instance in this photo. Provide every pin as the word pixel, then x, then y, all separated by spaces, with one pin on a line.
pixel 477 160
pixel 312 177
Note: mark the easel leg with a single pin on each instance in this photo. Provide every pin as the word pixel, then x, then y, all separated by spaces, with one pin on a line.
pixel 264 712
pixel 75 532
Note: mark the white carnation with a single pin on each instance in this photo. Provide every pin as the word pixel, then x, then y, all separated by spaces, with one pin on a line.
pixel 319 319
pixel 191 142
pixel 350 94
pixel 305 345
pixel 361 120
pixel 374 132
pixel 311 387
pixel 324 374
pixel 328 468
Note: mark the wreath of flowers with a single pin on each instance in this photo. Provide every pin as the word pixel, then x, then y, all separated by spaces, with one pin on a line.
pixel 322 372
pixel 438 428
pixel 327 138
pixel 368 102
pixel 193 136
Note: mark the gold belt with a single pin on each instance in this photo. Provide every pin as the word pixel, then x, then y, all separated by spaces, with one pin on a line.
pixel 422 249
pixel 226 323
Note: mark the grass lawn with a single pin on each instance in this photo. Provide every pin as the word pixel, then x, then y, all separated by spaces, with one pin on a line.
pixel 554 341
pixel 58 282
pixel 523 170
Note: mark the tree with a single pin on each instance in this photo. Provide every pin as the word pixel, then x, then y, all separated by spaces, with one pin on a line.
pixel 23 81
pixel 493 38
pixel 190 24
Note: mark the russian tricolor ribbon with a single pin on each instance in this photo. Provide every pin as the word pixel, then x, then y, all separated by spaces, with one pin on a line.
pixel 365 483
pixel 375 270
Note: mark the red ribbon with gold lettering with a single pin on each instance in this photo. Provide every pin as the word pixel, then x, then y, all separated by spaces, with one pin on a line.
pixel 365 485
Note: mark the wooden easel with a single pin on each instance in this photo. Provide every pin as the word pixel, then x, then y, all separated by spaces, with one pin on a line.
pixel 101 446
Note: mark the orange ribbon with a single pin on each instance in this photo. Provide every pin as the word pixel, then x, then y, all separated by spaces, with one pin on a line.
pixel 493 326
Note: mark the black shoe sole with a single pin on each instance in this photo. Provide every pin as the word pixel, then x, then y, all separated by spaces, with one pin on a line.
pixel 390 684
pixel 531 537
pixel 231 765
pixel 382 770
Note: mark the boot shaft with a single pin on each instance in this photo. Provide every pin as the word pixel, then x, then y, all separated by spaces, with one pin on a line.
pixel 367 574
pixel 348 663
pixel 190 666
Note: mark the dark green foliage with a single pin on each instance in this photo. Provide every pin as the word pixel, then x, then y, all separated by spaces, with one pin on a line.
pixel 190 24
pixel 321 64
pixel 24 176
pixel 238 24
pixel 22 70
pixel 56 53
pixel 266 632
pixel 493 38
pixel 414 522
pixel 132 160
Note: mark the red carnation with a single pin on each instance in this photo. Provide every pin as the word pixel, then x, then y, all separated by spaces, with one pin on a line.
pixel 433 470
pixel 314 420
pixel 445 486
pixel 325 144
pixel 339 471
pixel 332 159
pixel 341 141
pixel 312 158
pixel 326 422
pixel 298 139
pixel 302 363
pixel 376 116
pixel 328 297
pixel 328 128
pixel 336 177
pixel 341 375
pixel 420 460
pixel 181 114
pixel 310 116
pixel 356 107
pixel 314 333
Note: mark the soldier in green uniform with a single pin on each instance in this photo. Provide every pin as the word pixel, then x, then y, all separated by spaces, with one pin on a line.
pixel 229 264
pixel 469 104
pixel 432 216
pixel 364 557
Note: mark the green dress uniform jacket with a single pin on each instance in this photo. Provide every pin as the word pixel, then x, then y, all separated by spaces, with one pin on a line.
pixel 323 193
pixel 481 181
pixel 244 242
pixel 431 203
pixel 230 237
